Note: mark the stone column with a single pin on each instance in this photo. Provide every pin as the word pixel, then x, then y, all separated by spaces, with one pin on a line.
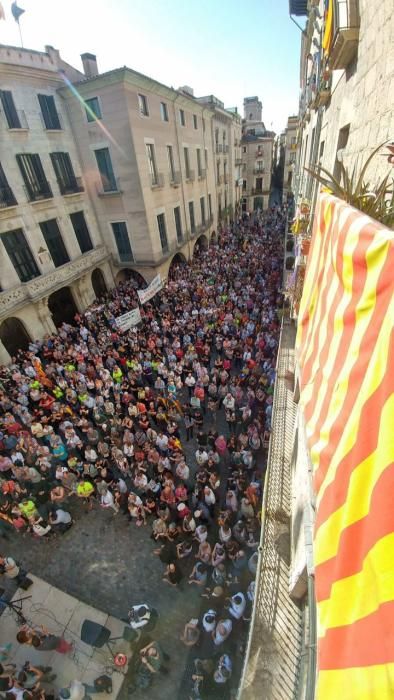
pixel 45 316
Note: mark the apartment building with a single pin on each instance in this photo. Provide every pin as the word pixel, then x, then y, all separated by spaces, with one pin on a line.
pixel 257 157
pixel 347 88
pixel 226 137
pixel 102 177
pixel 290 153
pixel 52 259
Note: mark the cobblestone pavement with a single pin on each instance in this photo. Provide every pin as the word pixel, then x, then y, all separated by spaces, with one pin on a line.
pixel 108 562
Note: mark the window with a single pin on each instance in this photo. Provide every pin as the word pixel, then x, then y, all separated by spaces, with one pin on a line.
pixel 225 199
pixel 293 140
pixel 244 149
pixel 206 159
pixel 195 123
pixel 163 112
pixel 122 241
pixel 81 231
pixel 64 172
pixel 321 150
pixel 178 224
pixel 199 162
pixel 37 186
pixel 104 165
pixel 182 120
pixel 143 105
pixel 20 255
pixel 171 166
pixel 225 170
pixel 49 112
pixel 187 163
pixel 7 198
pixel 150 152
pixel 53 239
pixel 260 165
pixel 11 115
pixel 161 223
pixel 202 206
pixel 210 207
pixel 244 183
pixel 203 124
pixel 93 110
pixel 218 172
pixel 191 217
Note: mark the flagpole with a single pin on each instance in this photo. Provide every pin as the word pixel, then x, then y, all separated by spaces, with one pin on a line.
pixel 20 32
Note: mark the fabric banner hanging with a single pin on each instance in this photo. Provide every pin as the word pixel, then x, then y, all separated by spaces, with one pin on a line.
pixel 126 321
pixel 155 286
pixel 345 352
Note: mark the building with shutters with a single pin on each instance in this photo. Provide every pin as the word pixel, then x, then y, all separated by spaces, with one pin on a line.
pixel 102 177
pixel 257 157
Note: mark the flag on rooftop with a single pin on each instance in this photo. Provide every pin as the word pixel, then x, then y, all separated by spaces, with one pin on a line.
pixel 16 11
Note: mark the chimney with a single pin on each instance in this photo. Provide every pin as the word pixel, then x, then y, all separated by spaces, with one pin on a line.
pixel 89 63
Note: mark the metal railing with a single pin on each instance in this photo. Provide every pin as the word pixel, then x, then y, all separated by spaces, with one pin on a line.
pixel 175 179
pixel 190 176
pixel 106 188
pixel 7 197
pixel 219 148
pixel 59 126
pixel 38 191
pixel 73 186
pixel 259 171
pixel 157 180
pixel 22 121
pixel 257 190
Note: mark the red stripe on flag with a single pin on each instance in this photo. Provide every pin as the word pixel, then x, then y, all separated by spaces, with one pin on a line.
pixel 357 539
pixel 366 642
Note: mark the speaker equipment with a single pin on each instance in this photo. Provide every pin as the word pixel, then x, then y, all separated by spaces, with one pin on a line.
pixel 94 634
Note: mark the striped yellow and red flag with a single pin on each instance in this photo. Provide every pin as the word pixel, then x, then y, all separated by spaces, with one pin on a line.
pixel 345 351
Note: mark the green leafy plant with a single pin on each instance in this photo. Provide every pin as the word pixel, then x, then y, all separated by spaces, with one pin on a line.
pixel 375 201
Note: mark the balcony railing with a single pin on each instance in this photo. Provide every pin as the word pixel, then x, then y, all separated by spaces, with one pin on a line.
pixel 108 188
pixel 39 191
pixel 157 180
pixel 20 124
pixel 259 171
pixel 190 176
pixel 175 179
pixel 259 153
pixel 52 127
pixel 219 148
pixel 257 190
pixel 225 148
pixel 7 198
pixel 202 174
pixel 72 187
pixel 346 33
pixel 238 161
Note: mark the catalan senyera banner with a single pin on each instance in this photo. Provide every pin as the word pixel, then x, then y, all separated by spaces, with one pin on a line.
pixel 155 286
pixel 345 352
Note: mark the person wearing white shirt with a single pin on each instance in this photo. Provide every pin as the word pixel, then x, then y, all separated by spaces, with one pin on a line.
pixel 237 605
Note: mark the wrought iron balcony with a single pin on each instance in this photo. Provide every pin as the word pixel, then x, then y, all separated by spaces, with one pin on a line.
pixel 175 179
pixel 257 190
pixel 157 180
pixel 259 171
pixel 107 188
pixel 20 123
pixel 73 186
pixel 7 198
pixel 38 191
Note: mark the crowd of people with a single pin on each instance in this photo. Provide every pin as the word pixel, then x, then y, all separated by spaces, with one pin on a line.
pixel 109 418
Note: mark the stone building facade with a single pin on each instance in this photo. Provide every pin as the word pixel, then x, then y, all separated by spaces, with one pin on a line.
pixel 290 154
pixel 257 157
pixel 101 177
pixel 347 88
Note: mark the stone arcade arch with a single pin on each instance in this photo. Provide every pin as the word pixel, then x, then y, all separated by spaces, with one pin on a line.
pixel 62 306
pixel 214 239
pixel 178 259
pixel 98 283
pixel 200 244
pixel 14 335
pixel 127 274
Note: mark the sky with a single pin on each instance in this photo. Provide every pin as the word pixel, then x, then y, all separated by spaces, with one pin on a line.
pixel 230 48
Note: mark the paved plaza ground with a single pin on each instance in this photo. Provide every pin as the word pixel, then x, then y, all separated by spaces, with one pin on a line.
pixel 108 562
